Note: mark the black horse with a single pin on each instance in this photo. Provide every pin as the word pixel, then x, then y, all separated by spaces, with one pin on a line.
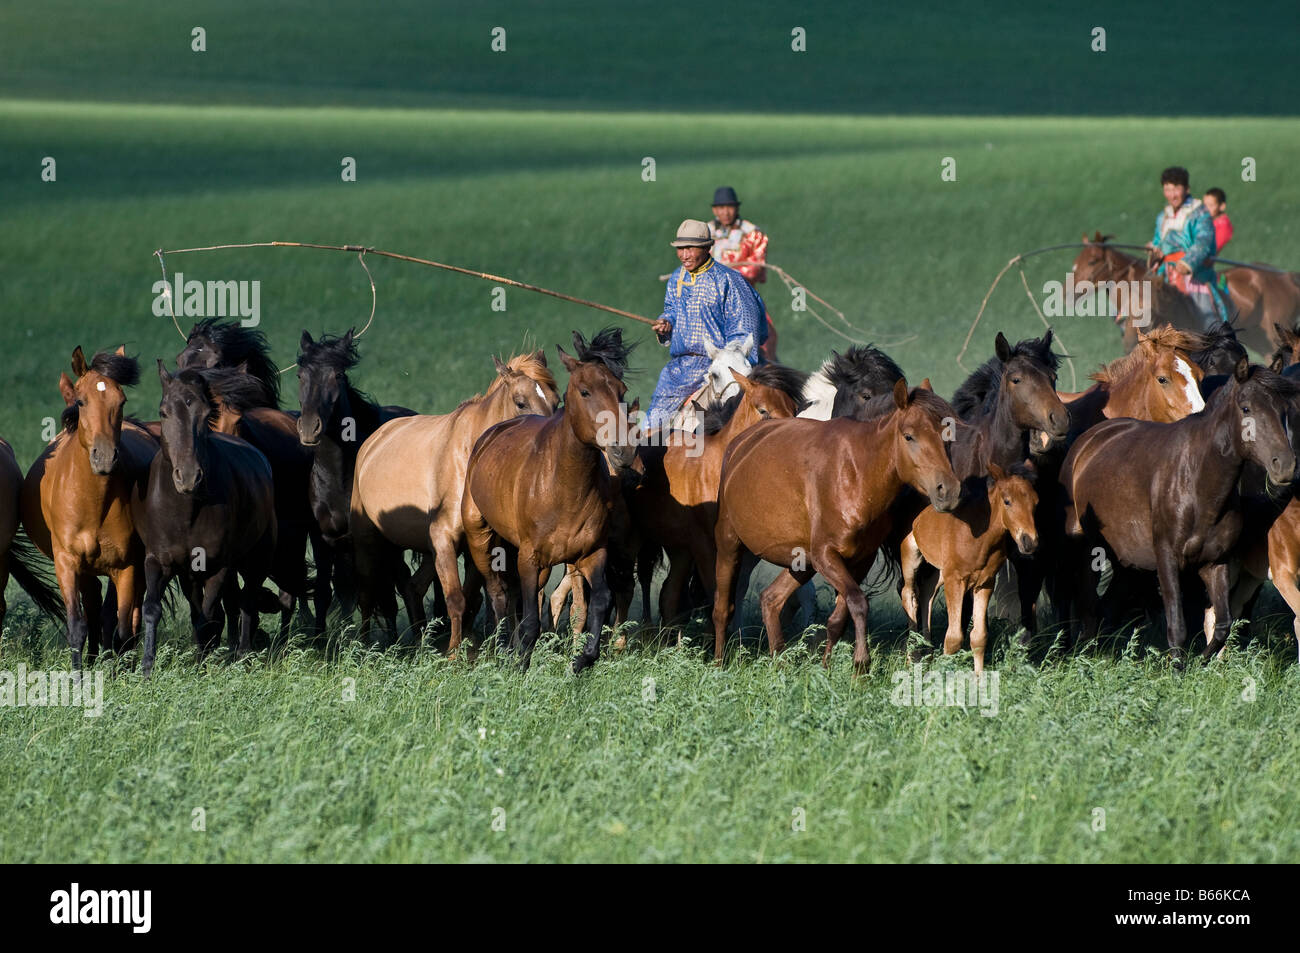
pixel 213 343
pixel 336 420
pixel 206 515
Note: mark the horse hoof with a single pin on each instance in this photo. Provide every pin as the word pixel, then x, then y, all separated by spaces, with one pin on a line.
pixel 581 662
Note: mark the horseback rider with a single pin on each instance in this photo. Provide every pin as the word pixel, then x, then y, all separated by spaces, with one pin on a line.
pixel 738 240
pixel 705 303
pixel 1184 246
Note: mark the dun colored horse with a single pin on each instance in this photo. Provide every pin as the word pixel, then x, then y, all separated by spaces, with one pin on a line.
pixel 543 485
pixel 76 499
pixel 408 484
pixel 824 503
pixel 1128 483
pixel 1259 300
pixel 206 514
pixel 963 551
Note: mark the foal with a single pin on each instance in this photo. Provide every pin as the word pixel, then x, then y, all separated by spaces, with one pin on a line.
pixel 963 551
pixel 207 513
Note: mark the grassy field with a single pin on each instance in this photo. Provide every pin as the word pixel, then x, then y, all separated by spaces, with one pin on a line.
pixel 157 149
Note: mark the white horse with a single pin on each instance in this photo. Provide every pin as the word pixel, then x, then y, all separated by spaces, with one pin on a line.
pixel 719 386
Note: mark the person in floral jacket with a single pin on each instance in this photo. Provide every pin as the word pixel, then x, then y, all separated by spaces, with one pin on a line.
pixel 742 245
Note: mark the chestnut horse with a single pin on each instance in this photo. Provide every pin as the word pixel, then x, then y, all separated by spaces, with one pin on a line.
pixel 206 514
pixel 963 551
pixel 543 485
pixel 1128 483
pixel 76 500
pixel 676 506
pixel 815 497
pixel 1259 300
pixel 408 484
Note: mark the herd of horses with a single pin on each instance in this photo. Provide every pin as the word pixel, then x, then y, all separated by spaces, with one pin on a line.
pixel 1175 466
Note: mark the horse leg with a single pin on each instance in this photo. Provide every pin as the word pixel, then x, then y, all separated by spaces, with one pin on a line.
pixel 805 604
pixel 1029 581
pixel 979 633
pixel 1285 568
pixel 71 587
pixel 911 560
pixel 560 597
pixel 478 538
pixel 413 592
pixel 323 554
pixel 748 563
pixel 126 582
pixel 593 570
pixel 545 622
pixel 253 575
pixel 674 584
pixel 1175 626
pixel 155 583
pixel 1215 577
pixel 835 628
pixel 92 612
pixel 104 619
pixel 773 599
pixel 954 591
pixel 645 571
pixel 729 551
pixel 832 567
pixel 443 562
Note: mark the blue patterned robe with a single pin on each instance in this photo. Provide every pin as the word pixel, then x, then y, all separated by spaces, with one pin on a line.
pixel 715 305
pixel 1191 230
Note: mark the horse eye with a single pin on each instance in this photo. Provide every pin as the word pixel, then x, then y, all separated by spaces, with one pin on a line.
pixel 162 414
pixel 80 402
pixel 1015 380
pixel 584 393
pixel 907 437
pixel 1006 501
pixel 1163 380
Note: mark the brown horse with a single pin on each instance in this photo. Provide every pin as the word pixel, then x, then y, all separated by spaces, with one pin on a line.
pixel 676 505
pixel 1130 485
pixel 815 497
pixel 408 484
pixel 542 485
pixel 963 551
pixel 1157 381
pixel 76 500
pixel 1259 300
pixel 17 555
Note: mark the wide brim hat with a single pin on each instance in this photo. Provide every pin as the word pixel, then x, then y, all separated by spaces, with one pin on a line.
pixel 692 233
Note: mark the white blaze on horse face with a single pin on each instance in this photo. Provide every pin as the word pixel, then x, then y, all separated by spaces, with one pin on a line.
pixel 540 393
pixel 1194 398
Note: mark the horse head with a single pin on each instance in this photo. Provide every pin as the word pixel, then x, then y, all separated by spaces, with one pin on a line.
pixel 1029 385
pixel 733 357
pixel 526 385
pixel 95 403
pixel 1262 400
pixel 323 382
pixel 1012 500
pixel 921 422
pixel 593 399
pixel 186 412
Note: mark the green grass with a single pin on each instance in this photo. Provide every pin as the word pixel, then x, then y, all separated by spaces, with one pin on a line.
pixel 656 756
pixel 161 148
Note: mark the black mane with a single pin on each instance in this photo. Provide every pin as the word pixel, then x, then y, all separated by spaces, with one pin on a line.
pixel 335 352
pixel 863 368
pixel 238 390
pixel 240 345
pixel 116 367
pixel 607 347
pixel 788 380
pixel 979 393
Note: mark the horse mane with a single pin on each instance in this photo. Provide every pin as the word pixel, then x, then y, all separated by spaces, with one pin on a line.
pixel 883 404
pixel 1022 470
pixel 607 347
pixel 240 345
pixel 338 353
pixel 716 417
pixel 118 368
pixel 530 365
pixel 1165 336
pixel 238 390
pixel 1222 337
pixel 861 367
pixel 979 392
pixel 788 380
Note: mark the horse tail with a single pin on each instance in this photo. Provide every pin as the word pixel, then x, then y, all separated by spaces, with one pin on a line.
pixel 648 559
pixel 35 576
pixel 887 572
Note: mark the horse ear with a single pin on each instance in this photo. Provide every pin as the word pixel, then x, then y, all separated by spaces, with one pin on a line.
pixel 739 378
pixel 540 356
pixel 1098 237
pixel 1242 370
pixel 569 362
pixel 1002 348
pixel 1086 239
pixel 306 341
pixel 121 350
pixel 1284 334
pixel 900 393
pixel 748 343
pixel 925 385
pixel 67 390
pixel 78 362
pixel 163 376
pixel 697 406
pixel 347 338
pixel 996 472
pixel 1275 365
pixel 242 367
pixel 635 408
pixel 710 351
pixel 501 368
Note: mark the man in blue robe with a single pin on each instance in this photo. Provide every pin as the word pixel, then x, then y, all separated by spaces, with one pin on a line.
pixel 705 303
